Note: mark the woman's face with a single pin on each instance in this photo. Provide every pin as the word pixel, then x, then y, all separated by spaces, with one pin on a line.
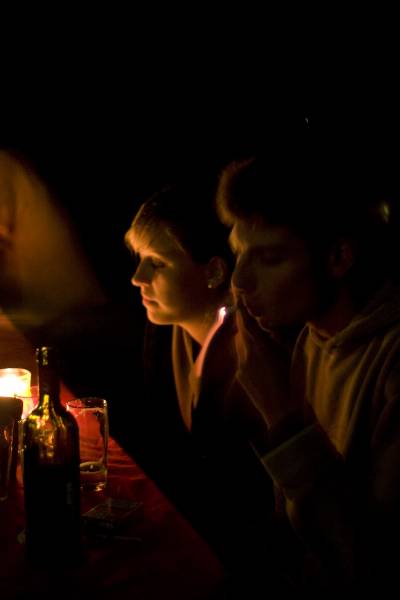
pixel 173 287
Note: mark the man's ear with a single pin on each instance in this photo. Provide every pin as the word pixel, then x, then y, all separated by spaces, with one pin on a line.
pixel 216 272
pixel 341 257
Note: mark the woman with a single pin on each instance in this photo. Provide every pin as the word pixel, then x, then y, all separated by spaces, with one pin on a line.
pixel 196 425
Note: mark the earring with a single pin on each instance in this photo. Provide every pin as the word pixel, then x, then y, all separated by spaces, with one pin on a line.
pixel 210 285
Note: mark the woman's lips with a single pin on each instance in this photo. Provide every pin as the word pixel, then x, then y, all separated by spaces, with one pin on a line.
pixel 148 301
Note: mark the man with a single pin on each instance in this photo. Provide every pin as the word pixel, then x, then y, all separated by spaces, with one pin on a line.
pixel 313 240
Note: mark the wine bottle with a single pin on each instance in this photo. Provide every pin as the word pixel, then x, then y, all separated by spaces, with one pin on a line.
pixel 51 472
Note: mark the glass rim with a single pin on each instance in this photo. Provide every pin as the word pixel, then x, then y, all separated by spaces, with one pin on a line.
pixel 87 402
pixel 19 370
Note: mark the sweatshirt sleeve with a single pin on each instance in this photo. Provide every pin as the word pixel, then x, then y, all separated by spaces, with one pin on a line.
pixel 311 475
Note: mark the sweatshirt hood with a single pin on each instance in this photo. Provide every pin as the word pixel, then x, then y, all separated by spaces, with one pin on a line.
pixel 380 313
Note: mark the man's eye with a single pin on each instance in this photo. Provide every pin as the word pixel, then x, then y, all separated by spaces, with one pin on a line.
pixel 271 259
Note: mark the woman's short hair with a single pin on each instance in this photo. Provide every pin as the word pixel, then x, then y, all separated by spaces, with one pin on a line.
pixel 188 214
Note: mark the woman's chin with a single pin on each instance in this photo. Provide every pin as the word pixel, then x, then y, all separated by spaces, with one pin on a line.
pixel 157 318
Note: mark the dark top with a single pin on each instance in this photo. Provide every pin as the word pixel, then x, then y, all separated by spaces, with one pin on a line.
pixel 211 473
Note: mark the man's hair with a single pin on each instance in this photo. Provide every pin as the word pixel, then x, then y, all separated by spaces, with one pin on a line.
pixel 321 196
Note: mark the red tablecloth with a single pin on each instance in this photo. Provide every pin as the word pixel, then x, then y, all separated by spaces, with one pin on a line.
pixel 164 559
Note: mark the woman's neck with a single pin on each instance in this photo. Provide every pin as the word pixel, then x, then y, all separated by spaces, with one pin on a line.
pixel 198 329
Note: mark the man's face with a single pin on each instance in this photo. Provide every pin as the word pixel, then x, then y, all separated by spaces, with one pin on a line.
pixel 274 274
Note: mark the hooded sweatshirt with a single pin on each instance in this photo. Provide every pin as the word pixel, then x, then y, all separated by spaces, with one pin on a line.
pixel 341 476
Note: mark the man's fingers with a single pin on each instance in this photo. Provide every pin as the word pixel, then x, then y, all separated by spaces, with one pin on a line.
pixel 241 324
pixel 246 324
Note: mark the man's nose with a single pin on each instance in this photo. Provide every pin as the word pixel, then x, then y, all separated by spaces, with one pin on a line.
pixel 242 278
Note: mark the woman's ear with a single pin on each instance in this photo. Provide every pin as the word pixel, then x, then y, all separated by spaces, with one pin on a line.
pixel 216 272
pixel 341 258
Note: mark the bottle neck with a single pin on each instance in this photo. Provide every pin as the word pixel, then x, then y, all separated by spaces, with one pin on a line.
pixel 49 387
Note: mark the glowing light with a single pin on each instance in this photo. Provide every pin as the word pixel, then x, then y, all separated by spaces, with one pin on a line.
pixel 385 211
pixel 198 366
pixel 17 382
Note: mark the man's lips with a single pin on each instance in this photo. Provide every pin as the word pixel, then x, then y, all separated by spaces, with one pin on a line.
pixel 252 310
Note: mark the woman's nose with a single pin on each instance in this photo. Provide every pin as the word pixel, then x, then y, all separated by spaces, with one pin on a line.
pixel 141 275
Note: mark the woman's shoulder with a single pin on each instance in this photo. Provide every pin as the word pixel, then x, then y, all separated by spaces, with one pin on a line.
pixel 220 358
pixel 222 393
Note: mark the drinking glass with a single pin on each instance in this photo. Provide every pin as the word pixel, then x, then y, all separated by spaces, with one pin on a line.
pixel 91 415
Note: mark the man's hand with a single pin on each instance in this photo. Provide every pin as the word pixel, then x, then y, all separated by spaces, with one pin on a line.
pixel 263 368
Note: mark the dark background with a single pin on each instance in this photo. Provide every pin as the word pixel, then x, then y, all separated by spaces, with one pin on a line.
pixel 101 155
pixel 103 150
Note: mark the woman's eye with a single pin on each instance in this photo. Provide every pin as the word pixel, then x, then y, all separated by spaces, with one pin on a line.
pixel 157 264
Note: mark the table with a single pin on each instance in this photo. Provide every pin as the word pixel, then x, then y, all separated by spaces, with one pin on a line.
pixel 165 559
pixel 160 556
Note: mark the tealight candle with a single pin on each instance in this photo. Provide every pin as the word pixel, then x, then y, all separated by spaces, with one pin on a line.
pixel 17 382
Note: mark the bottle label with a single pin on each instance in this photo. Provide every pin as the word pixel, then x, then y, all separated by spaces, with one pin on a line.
pixel 52 507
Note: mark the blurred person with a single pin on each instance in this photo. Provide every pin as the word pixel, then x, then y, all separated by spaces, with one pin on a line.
pixel 50 293
pixel 44 271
